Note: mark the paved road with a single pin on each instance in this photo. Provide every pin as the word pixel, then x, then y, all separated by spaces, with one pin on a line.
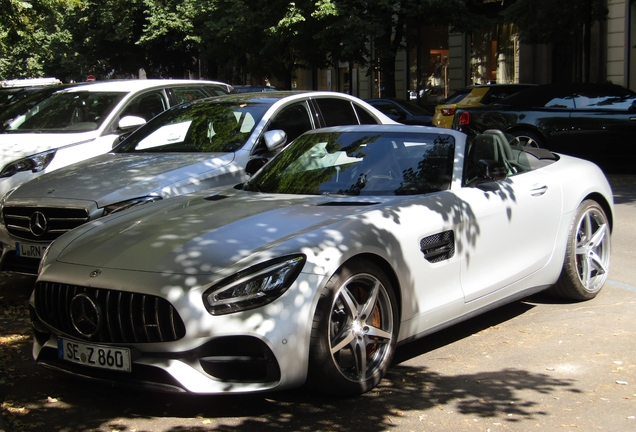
pixel 533 365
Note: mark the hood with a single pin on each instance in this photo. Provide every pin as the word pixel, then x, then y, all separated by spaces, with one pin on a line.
pixel 14 146
pixel 113 177
pixel 200 235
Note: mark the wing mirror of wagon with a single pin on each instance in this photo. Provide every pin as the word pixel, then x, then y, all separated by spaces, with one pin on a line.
pixel 131 122
pixel 275 139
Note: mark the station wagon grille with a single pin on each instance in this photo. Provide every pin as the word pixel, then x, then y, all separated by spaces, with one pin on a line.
pixel 42 223
pixel 116 316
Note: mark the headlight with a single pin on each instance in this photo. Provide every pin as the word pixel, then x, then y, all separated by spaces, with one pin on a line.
pixel 35 163
pixel 253 287
pixel 3 200
pixel 117 207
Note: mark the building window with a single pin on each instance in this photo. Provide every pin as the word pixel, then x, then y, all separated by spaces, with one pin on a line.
pixel 428 63
pixel 494 56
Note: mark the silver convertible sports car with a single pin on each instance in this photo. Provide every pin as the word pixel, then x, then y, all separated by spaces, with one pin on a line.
pixel 351 241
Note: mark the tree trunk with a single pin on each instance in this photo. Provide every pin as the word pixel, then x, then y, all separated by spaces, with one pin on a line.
pixel 387 68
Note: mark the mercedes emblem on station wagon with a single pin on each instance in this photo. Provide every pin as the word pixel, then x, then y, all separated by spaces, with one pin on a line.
pixel 38 224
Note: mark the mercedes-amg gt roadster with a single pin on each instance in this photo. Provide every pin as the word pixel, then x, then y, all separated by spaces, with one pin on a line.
pixel 350 241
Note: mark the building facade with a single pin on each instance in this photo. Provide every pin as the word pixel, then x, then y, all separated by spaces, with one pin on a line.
pixel 437 61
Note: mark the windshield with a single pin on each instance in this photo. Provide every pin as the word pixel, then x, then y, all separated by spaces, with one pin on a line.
pixel 212 126
pixel 360 163
pixel 79 111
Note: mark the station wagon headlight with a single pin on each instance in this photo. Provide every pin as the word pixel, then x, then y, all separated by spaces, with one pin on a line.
pixel 3 200
pixel 34 163
pixel 253 287
pixel 124 205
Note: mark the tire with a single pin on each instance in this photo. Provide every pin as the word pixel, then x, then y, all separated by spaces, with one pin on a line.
pixel 530 139
pixel 354 331
pixel 587 255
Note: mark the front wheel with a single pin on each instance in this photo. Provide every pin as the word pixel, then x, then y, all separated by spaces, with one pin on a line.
pixel 587 255
pixel 354 331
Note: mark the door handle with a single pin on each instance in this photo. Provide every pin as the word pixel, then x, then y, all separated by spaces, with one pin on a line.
pixel 538 190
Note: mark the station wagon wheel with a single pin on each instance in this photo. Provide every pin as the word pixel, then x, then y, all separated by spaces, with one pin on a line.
pixel 529 139
pixel 354 331
pixel 587 255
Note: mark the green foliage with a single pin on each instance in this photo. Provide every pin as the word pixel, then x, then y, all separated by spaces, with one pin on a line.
pixel 28 30
pixel 226 39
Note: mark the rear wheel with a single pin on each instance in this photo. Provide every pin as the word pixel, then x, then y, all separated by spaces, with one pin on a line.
pixel 529 139
pixel 354 331
pixel 587 255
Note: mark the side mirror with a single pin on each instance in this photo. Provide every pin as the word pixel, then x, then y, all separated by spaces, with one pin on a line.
pixel 131 122
pixel 275 139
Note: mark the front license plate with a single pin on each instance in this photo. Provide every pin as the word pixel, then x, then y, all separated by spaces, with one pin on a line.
pixel 99 356
pixel 30 250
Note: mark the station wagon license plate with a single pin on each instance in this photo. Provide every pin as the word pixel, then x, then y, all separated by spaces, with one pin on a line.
pixel 30 250
pixel 99 356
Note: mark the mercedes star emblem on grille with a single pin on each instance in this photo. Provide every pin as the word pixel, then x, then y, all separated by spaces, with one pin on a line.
pixel 38 224
pixel 85 315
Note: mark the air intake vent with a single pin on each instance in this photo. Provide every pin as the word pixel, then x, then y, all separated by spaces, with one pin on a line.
pixel 438 247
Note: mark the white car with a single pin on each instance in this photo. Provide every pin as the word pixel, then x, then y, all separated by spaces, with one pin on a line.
pixel 79 122
pixel 192 147
pixel 352 240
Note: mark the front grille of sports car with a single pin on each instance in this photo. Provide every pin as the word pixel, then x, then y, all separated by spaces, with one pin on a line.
pixel 118 316
pixel 49 224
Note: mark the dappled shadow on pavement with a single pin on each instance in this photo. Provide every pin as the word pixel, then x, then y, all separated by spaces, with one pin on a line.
pixel 36 399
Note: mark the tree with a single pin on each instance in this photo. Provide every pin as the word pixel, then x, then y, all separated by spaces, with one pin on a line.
pixel 553 22
pixel 169 37
pixel 28 29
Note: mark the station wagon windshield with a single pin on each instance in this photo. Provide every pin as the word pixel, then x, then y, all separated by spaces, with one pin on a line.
pixel 66 112
pixel 198 127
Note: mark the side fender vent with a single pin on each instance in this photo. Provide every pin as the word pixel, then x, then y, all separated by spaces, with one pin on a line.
pixel 438 247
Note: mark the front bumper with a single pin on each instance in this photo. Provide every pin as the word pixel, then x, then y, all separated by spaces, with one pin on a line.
pixel 250 351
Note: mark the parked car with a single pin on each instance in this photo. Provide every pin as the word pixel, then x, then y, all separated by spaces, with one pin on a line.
pixel 591 121
pixel 402 111
pixel 77 123
pixel 27 100
pixel 479 95
pixel 253 89
pixel 349 242
pixel 13 90
pixel 188 148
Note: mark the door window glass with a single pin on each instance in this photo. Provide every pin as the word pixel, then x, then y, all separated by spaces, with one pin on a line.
pixel 146 105
pixel 337 112
pixel 293 119
pixel 611 102
pixel 188 94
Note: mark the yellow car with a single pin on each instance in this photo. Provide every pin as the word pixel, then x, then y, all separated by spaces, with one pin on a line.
pixel 470 96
